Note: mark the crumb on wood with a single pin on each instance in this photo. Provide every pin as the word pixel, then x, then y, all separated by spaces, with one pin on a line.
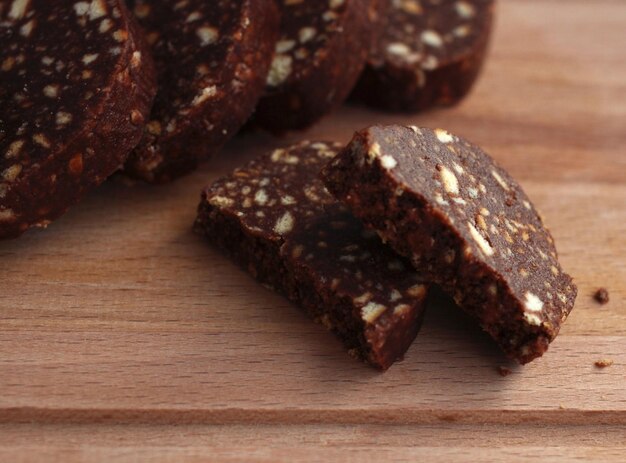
pixel 504 371
pixel 601 296
pixel 603 363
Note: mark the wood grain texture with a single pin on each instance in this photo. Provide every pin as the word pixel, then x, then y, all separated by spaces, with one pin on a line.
pixel 124 336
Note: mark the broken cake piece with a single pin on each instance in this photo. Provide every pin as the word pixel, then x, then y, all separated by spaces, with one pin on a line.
pixel 464 223
pixel 276 219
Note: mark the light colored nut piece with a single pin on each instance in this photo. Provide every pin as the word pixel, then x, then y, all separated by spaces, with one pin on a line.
pixel 283 46
pixel 11 173
pixel 14 149
pixel 106 24
pixel 399 49
pixel 432 38
pixel 207 35
pixel 204 95
pixel 90 58
pixel 409 6
pixel 439 200
pixel 7 215
pixel 388 162
pixel 417 291
pixel 279 70
pixel 363 298
pixel 449 180
pixel 532 303
pixel 220 201
pixel 371 311
pixel 401 309
pixel 63 118
pixel 18 9
pixel 373 152
pixel 480 221
pixel 444 136
pixel 193 17
pixel 284 224
pixel 483 244
pixel 500 180
pixel 260 197
pixel 306 33
pixel 27 28
pixel 464 9
pixel 532 319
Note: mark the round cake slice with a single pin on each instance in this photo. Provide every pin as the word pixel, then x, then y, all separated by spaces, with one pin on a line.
pixel 430 54
pixel 320 54
pixel 76 85
pixel 212 59
pixel 464 223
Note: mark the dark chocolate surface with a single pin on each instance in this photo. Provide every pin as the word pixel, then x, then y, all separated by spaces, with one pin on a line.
pixel 212 59
pixel 377 297
pixel 464 222
pixel 277 220
pixel 73 101
pixel 430 53
pixel 321 51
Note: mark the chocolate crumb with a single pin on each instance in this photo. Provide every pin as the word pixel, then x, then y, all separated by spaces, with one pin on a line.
pixel 601 296
pixel 603 363
pixel 504 371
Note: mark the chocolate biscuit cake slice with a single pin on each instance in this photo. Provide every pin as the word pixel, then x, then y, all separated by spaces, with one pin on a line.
pixel 276 219
pixel 465 223
pixel 430 53
pixel 212 59
pixel 321 51
pixel 76 86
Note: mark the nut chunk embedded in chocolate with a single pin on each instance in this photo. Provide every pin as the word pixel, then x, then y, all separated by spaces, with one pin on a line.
pixel 465 223
pixel 276 219
pixel 76 85
pixel 212 58
pixel 320 54
pixel 430 54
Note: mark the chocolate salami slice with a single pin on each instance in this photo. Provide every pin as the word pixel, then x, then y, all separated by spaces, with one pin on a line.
pixel 430 54
pixel 212 59
pixel 321 51
pixel 465 223
pixel 76 84
pixel 276 219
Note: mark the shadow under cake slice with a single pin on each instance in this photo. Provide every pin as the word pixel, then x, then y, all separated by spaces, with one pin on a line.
pixel 276 219
pixel 212 60
pixel 430 53
pixel 76 86
pixel 464 223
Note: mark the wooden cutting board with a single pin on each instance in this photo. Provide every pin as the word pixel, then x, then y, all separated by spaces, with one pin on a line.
pixel 124 336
